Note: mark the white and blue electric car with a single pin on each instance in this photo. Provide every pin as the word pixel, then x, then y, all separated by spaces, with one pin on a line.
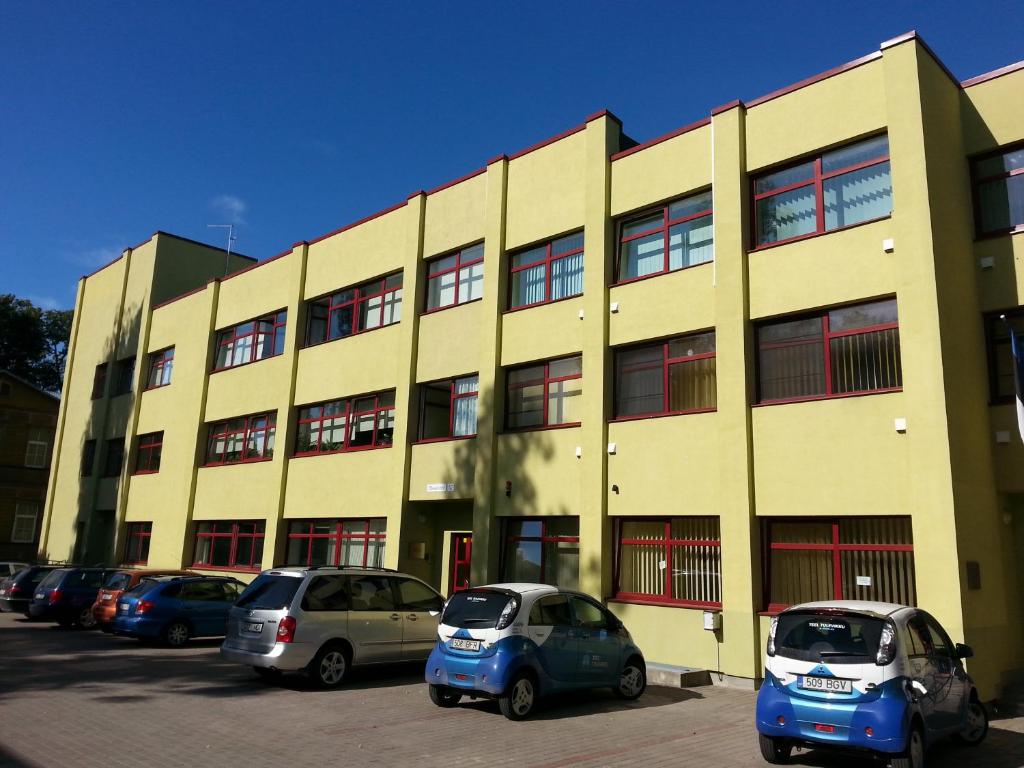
pixel 868 676
pixel 519 642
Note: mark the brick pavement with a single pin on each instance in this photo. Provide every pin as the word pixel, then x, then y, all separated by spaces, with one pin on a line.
pixel 81 699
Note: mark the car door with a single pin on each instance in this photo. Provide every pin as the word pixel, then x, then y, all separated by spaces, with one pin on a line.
pixel 551 629
pixel 421 608
pixel 950 684
pixel 921 672
pixel 202 604
pixel 599 648
pixel 374 623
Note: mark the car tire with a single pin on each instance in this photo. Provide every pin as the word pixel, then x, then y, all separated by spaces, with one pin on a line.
pixel 267 674
pixel 176 634
pixel 774 751
pixel 86 620
pixel 977 724
pixel 444 697
pixel 913 755
pixel 520 698
pixel 329 667
pixel 632 680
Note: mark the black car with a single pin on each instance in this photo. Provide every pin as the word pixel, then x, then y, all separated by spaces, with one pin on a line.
pixel 66 596
pixel 16 591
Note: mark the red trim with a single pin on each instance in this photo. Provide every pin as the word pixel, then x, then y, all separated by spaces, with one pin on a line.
pixel 158 361
pixel 811 235
pixel 913 35
pixel 726 107
pixel 517 430
pixel 977 181
pixel 200 289
pixel 545 380
pixel 461 555
pixel 542 539
pixel 108 264
pixel 665 228
pixel 147 446
pixel 547 260
pixel 135 535
pixel 254 266
pixel 541 303
pixel 162 233
pixel 360 296
pixel 658 140
pixel 339 536
pixel 641 599
pixel 645 416
pixel 984 78
pixel 467 177
pixel 351 419
pixel 602 113
pixel 459 266
pixel 497 159
pixel 813 398
pixel 361 221
pixel 248 430
pixel 453 397
pixel 232 569
pixel 546 142
pixel 230 337
pixel 815 79
pixel 234 534
pixel 431 440
pixel 665 364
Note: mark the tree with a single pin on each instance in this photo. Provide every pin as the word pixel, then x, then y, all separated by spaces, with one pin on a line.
pixel 34 341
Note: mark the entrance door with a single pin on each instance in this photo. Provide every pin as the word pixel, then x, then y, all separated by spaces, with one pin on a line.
pixel 461 554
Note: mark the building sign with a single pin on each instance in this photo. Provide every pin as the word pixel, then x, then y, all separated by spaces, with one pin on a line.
pixel 440 487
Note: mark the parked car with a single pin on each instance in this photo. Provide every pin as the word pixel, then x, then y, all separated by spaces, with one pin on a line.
pixel 10 567
pixel 119 582
pixel 176 608
pixel 66 596
pixel 871 676
pixel 519 642
pixel 323 621
pixel 16 591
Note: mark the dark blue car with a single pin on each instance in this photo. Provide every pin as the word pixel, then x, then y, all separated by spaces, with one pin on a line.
pixel 176 608
pixel 66 596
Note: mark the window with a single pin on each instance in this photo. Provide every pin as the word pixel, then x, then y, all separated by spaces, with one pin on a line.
pixel 354 310
pixel 547 272
pixel 551 611
pixel 672 376
pixel 37 449
pixel 842 351
pixel 125 373
pixel 544 395
pixel 26 513
pixel 99 381
pixel 226 544
pixel 337 542
pixel 456 278
pixel 160 366
pixel 113 457
pixel 346 425
pixel 414 595
pixel 136 543
pixel 448 408
pixel 255 340
pixel 542 550
pixel 88 458
pixel 147 458
pixel 1000 359
pixel 674 560
pixel 675 236
pixel 247 438
pixel 837 189
pixel 324 593
pixel 999 191
pixel 372 593
pixel 856 558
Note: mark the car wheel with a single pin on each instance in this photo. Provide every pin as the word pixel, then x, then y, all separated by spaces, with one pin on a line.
pixel 632 681
pixel 775 751
pixel 176 634
pixel 519 699
pixel 444 697
pixel 266 673
pixel 976 726
pixel 913 755
pixel 86 620
pixel 329 667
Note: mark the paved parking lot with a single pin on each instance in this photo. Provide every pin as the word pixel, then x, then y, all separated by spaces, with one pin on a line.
pixel 73 698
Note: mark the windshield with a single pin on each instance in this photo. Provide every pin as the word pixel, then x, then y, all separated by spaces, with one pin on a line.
pixel 475 609
pixel 270 592
pixel 53 578
pixel 118 581
pixel 824 637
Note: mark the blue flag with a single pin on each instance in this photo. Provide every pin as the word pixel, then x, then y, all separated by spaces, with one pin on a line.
pixel 1017 350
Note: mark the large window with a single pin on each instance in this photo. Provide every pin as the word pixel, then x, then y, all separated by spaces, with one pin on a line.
pixel 1000 359
pixel 547 272
pixel 160 366
pixel 251 341
pixel 247 438
pixel 337 542
pixel 136 543
pixel 229 544
pixel 675 560
pixel 355 423
pixel 542 550
pixel 455 278
pixel 671 376
pixel 837 189
pixel 448 408
pixel 99 381
pixel 26 515
pixel 544 395
pixel 354 310
pixel 842 351
pixel 125 371
pixel 855 558
pixel 147 457
pixel 675 236
pixel 113 457
pixel 999 191
pixel 37 449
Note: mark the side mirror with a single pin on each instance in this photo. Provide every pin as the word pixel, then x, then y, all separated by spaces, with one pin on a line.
pixel 964 651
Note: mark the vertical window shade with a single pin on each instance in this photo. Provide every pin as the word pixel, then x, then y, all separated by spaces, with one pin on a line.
pixel 674 560
pixel 337 542
pixel 677 236
pixel 448 408
pixel 674 376
pixel 547 273
pixel 999 191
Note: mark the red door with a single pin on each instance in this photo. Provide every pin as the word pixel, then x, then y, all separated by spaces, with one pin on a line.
pixel 462 551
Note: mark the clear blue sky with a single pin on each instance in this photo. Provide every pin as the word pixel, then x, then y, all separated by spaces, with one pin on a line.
pixel 292 119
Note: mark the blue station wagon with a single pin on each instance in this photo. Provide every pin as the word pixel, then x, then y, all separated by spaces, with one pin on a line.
pixel 176 608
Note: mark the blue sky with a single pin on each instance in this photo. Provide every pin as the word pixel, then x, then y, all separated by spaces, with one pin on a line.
pixel 292 119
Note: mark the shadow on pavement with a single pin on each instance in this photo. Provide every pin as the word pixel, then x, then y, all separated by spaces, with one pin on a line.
pixel 562 706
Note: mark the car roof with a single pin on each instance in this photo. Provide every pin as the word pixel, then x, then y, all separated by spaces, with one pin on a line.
pixel 332 570
pixel 523 588
pixel 874 608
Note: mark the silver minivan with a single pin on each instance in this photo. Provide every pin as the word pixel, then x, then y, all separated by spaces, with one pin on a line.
pixel 325 620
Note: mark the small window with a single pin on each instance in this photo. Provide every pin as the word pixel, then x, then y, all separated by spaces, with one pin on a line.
pixel 37 449
pixel 147 458
pixel 547 272
pixel 203 591
pixel 88 458
pixel 999 191
pixel 588 615
pixel 161 365
pixel 26 515
pixel 227 544
pixel 417 596
pixel 354 310
pixel 372 593
pixel 544 395
pixel 352 424
pixel 99 381
pixel 675 560
pixel 551 611
pixel 1000 357
pixel 136 543
pixel 358 542
pixel 251 341
pixel 270 592
pixel 113 457
pixel 671 237
pixel 456 278
pixel 542 550
pixel 247 438
pixel 670 377
pixel 326 593
pixel 125 374
pixel 448 408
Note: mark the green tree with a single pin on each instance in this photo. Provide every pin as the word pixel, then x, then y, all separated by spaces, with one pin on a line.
pixel 34 341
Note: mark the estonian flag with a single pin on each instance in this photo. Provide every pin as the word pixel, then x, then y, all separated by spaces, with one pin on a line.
pixel 1017 350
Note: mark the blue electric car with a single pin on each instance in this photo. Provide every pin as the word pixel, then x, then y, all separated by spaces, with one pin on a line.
pixel 518 642
pixel 176 608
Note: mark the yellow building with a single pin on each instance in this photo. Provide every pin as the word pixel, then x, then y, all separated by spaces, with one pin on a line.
pixel 752 362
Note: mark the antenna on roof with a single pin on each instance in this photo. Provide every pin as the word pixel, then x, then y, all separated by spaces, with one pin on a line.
pixel 231 238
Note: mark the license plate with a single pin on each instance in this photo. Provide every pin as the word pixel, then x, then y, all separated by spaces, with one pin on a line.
pixel 124 607
pixel 106 597
pixel 465 645
pixel 253 626
pixel 826 684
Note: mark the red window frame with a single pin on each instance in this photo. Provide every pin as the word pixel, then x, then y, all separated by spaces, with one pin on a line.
pixel 977 181
pixel 99 381
pixel 666 362
pixel 147 456
pixel 668 543
pixel 125 373
pixel 460 264
pixel 817 179
pixel 230 529
pixel 546 380
pixel 136 543
pixel 544 538
pixel 160 364
pixel 229 337
pixel 665 227
pixel 220 429
pixel 360 296
pixel 350 415
pixel 462 558
pixel 338 535
pixel 547 260
pixel 453 397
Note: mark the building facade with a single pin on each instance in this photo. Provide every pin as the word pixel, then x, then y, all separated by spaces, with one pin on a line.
pixel 746 364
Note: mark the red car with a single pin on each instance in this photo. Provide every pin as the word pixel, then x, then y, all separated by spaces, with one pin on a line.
pixel 120 582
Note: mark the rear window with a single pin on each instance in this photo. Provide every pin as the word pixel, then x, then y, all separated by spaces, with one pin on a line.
pixel 118 581
pixel 142 587
pixel 269 592
pixel 53 578
pixel 475 609
pixel 32 576
pixel 840 638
